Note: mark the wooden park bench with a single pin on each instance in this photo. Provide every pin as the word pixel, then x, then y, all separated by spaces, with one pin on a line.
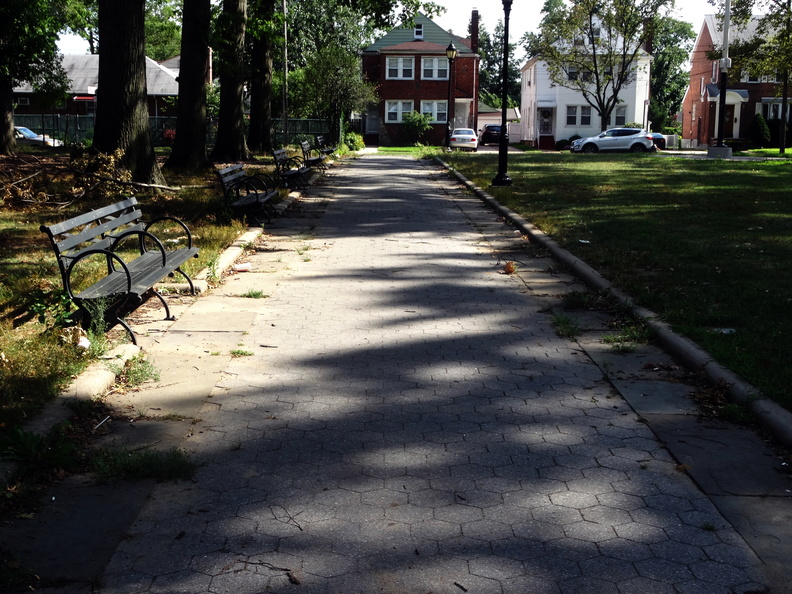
pixel 312 156
pixel 110 259
pixel 246 195
pixel 323 147
pixel 291 170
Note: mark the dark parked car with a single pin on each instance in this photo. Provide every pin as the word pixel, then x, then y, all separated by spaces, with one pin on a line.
pixel 490 133
pixel 659 140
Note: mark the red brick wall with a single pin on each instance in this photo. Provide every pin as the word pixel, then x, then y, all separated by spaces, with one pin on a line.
pixel 417 90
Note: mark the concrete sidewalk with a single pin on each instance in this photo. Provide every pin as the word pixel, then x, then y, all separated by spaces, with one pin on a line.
pixel 398 415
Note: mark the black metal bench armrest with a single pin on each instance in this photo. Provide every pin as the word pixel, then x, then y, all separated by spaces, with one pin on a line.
pixel 138 232
pixel 108 254
pixel 175 220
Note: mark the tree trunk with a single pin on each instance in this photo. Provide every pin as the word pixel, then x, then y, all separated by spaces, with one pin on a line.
pixel 7 142
pixel 230 145
pixel 122 119
pixel 189 149
pixel 260 132
pixel 784 111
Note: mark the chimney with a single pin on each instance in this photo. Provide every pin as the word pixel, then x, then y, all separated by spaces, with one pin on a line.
pixel 474 31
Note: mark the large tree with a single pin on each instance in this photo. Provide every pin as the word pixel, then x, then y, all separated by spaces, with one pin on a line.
pixel 28 52
pixel 189 153
pixel 591 46
pixel 671 45
pixel 230 144
pixel 264 34
pixel 122 106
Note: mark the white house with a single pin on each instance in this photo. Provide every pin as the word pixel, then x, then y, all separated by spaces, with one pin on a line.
pixel 552 112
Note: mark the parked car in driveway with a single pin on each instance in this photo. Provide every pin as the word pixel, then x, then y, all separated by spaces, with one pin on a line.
pixel 634 140
pixel 490 133
pixel 26 136
pixel 659 140
pixel 464 139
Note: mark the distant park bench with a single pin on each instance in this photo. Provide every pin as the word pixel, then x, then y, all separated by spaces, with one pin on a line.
pixel 292 170
pixel 132 260
pixel 246 195
pixel 312 156
pixel 323 147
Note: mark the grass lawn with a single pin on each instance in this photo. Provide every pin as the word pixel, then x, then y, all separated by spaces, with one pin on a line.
pixel 706 244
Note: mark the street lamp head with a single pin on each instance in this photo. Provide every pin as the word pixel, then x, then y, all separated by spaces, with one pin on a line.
pixel 507 4
pixel 451 51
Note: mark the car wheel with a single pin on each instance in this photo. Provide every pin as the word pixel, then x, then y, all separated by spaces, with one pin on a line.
pixel 590 148
pixel 637 148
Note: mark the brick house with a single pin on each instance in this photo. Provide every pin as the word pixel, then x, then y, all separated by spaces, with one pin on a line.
pixel 410 68
pixel 746 95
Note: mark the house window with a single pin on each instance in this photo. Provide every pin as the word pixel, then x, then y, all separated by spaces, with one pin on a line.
pixel 585 115
pixel 572 73
pixel 400 68
pixel 419 31
pixel 395 110
pixel 435 68
pixel 621 115
pixel 571 115
pixel 438 110
pixel 24 101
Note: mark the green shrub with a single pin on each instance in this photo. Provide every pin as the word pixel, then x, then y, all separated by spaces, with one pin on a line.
pixel 562 144
pixel 415 125
pixel 759 132
pixel 354 141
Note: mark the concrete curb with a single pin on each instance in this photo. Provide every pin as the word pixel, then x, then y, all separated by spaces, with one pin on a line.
pixel 769 414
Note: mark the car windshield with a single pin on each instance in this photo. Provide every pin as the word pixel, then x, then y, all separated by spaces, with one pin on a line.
pixel 493 128
pixel 26 132
pixel 466 131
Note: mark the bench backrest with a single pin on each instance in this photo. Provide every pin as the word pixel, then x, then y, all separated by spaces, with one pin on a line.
pixel 230 177
pixel 95 229
pixel 280 156
pixel 320 140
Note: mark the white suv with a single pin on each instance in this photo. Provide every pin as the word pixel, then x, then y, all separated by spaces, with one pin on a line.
pixel 616 139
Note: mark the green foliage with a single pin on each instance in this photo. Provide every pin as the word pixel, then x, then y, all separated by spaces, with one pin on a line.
pixel 759 132
pixel 672 42
pixel 354 141
pixel 415 125
pixel 331 86
pixel 54 304
pixel 115 465
pixel 37 454
pixel 163 29
pixel 561 144
pixel 594 59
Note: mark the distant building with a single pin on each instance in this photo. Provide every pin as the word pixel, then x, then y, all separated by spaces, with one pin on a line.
pixel 410 68
pixel 83 74
pixel 552 112
pixel 746 95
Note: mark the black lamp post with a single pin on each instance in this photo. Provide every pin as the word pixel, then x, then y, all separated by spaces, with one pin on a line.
pixel 503 179
pixel 451 53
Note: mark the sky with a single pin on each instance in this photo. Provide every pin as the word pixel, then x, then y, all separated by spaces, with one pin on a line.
pixel 525 16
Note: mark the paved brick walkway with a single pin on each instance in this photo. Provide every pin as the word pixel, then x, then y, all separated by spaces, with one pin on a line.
pixel 409 422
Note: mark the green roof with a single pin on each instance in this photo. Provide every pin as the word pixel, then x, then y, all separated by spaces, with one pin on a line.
pixel 432 34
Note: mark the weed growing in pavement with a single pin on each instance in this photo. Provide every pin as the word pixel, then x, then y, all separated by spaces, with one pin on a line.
pixel 241 353
pixel 113 465
pixel 138 371
pixel 253 294
pixel 565 326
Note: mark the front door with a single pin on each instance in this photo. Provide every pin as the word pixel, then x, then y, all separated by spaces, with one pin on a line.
pixel 728 122
pixel 546 121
